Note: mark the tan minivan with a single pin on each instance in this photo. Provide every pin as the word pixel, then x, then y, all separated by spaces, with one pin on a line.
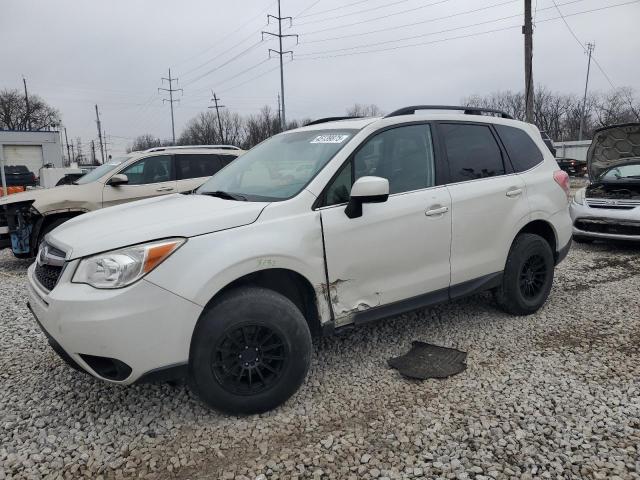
pixel 25 218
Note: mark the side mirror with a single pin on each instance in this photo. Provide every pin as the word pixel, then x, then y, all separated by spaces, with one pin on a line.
pixel 118 179
pixel 366 190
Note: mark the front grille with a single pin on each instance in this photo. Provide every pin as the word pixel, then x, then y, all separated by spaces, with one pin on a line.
pixel 613 204
pixel 47 275
pixel 608 226
pixel 49 265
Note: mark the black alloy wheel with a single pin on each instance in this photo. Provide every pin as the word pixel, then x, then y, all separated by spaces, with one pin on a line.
pixel 533 276
pixel 249 359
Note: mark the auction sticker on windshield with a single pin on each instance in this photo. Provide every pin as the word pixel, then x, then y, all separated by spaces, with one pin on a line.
pixel 330 138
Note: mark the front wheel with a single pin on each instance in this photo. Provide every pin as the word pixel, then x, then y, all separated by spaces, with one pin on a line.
pixel 250 351
pixel 528 276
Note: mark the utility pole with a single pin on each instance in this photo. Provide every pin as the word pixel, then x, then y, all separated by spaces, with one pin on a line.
pixel 26 99
pixel 106 152
pixel 171 100
pixel 100 134
pixel 93 152
pixel 590 48
pixel 279 114
pixel 280 52
pixel 66 140
pixel 73 153
pixel 527 30
pixel 218 107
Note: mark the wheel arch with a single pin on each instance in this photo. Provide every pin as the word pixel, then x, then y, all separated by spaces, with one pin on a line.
pixel 543 229
pixel 286 282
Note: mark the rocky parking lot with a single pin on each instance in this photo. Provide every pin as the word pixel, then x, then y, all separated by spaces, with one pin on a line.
pixel 553 395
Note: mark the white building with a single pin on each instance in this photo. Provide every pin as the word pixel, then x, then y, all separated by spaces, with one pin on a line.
pixel 32 149
pixel 576 150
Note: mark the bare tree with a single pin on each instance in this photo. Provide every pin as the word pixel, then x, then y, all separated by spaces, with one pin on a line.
pixel 146 141
pixel 260 127
pixel 362 110
pixel 559 114
pixel 13 112
pixel 205 130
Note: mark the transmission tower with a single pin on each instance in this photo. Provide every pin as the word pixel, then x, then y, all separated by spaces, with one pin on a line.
pixel 171 100
pixel 280 53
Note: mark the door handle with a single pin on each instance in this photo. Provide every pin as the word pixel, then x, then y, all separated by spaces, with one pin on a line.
pixel 164 189
pixel 436 211
pixel 514 192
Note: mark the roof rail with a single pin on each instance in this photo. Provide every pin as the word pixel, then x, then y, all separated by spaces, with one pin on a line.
pixel 328 119
pixel 466 110
pixel 220 147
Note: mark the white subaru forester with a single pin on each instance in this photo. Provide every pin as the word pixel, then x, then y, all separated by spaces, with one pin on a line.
pixel 340 222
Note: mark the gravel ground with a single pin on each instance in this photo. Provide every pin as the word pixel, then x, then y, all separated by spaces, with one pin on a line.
pixel 553 395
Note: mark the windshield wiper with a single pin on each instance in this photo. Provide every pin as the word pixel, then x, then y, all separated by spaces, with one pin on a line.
pixel 226 195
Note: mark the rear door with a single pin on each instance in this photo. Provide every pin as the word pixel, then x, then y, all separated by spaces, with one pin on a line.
pixel 398 249
pixel 148 177
pixel 488 200
pixel 193 169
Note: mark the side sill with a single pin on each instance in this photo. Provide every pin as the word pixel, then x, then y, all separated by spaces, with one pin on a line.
pixel 464 289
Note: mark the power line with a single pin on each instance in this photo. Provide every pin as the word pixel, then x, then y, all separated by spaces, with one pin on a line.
pixel 225 37
pixel 342 7
pixel 280 53
pixel 358 12
pixel 457 37
pixel 430 20
pixel 374 19
pixel 252 79
pixel 582 45
pixel 171 100
pixel 308 8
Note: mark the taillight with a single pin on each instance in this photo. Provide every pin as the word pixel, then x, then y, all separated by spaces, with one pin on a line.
pixel 562 178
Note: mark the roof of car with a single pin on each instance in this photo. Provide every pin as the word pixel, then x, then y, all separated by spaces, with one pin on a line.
pixel 360 123
pixel 221 149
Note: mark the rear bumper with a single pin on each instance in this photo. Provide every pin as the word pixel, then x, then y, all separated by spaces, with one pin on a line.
pixel 563 252
pixel 605 223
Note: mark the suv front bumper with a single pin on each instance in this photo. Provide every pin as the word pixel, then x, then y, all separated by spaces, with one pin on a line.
pixel 115 335
pixel 605 223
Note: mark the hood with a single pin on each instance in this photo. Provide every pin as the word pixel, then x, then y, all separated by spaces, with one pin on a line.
pixel 155 218
pixel 45 199
pixel 612 146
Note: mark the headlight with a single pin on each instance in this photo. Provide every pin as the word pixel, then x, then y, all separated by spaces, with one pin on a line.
pixel 579 196
pixel 122 267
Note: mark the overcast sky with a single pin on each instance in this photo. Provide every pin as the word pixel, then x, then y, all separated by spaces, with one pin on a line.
pixel 75 53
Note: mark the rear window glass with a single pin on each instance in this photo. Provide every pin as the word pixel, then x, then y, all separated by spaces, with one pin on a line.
pixel 522 150
pixel 472 152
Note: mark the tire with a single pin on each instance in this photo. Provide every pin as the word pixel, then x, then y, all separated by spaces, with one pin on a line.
pixel 528 276
pixel 250 351
pixel 48 228
pixel 581 239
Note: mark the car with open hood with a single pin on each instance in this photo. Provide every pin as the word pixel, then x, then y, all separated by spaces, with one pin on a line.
pixel 317 229
pixel 25 218
pixel 609 207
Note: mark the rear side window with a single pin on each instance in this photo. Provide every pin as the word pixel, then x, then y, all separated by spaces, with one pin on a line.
pixel 472 152
pixel 522 150
pixel 197 165
pixel 227 159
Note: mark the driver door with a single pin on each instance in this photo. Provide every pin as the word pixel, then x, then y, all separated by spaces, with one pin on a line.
pixel 148 177
pixel 399 249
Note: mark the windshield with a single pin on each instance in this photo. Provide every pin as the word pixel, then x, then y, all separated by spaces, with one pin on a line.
pixel 630 171
pixel 279 167
pixel 103 169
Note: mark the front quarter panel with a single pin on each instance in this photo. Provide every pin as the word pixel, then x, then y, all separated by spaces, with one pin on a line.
pixel 282 238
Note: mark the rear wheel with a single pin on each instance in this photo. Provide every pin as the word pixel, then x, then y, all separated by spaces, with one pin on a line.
pixel 528 275
pixel 250 351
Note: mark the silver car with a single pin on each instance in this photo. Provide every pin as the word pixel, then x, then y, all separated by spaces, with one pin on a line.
pixel 609 207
